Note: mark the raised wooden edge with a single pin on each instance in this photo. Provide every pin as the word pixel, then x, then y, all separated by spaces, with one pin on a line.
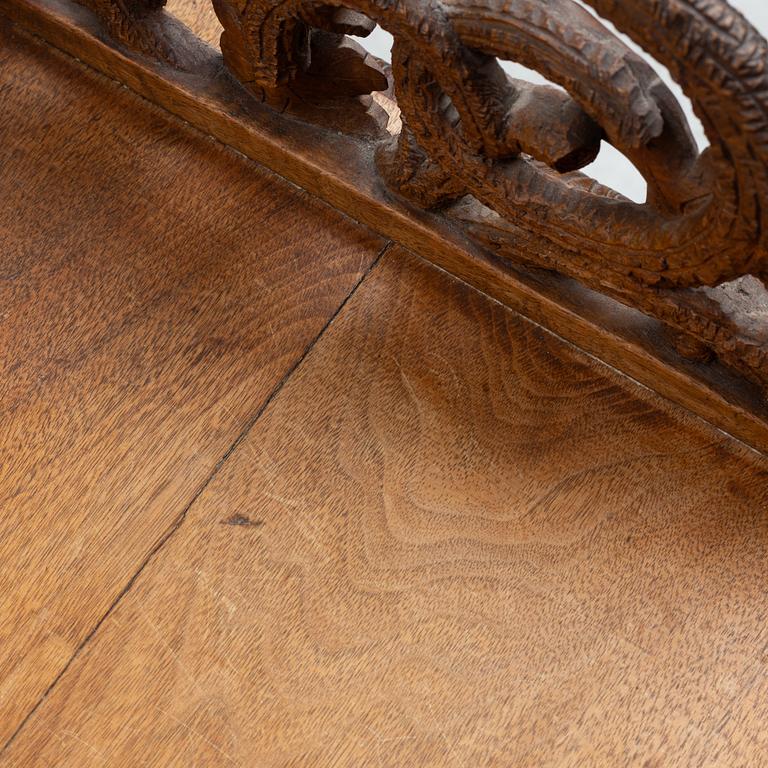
pixel 340 170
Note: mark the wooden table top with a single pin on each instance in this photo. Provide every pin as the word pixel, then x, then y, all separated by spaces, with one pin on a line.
pixel 274 492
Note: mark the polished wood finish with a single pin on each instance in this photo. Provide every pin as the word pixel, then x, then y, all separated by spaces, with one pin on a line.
pixel 451 539
pixel 340 168
pixel 153 294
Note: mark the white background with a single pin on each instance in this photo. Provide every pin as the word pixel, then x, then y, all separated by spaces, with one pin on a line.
pixel 611 167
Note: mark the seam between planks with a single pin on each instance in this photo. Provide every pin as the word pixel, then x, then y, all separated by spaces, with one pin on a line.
pixel 181 517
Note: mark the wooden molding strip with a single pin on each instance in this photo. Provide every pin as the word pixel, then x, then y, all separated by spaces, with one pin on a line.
pixel 339 169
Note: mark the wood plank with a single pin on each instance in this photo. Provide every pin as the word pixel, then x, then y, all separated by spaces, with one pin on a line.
pixel 482 549
pixel 340 169
pixel 154 290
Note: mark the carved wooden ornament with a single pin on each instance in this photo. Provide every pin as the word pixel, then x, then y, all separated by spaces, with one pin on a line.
pixel 512 150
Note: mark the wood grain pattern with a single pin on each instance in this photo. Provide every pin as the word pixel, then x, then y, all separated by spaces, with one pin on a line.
pixel 482 549
pixel 152 294
pixel 341 170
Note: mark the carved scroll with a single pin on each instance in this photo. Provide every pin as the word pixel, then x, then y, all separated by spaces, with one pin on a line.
pixel 510 151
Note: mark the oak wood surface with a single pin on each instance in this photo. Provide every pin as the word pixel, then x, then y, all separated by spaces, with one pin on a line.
pixel 154 289
pixel 450 540
pixel 340 169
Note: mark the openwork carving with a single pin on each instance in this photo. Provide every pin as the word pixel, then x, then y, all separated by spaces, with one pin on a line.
pixel 469 130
